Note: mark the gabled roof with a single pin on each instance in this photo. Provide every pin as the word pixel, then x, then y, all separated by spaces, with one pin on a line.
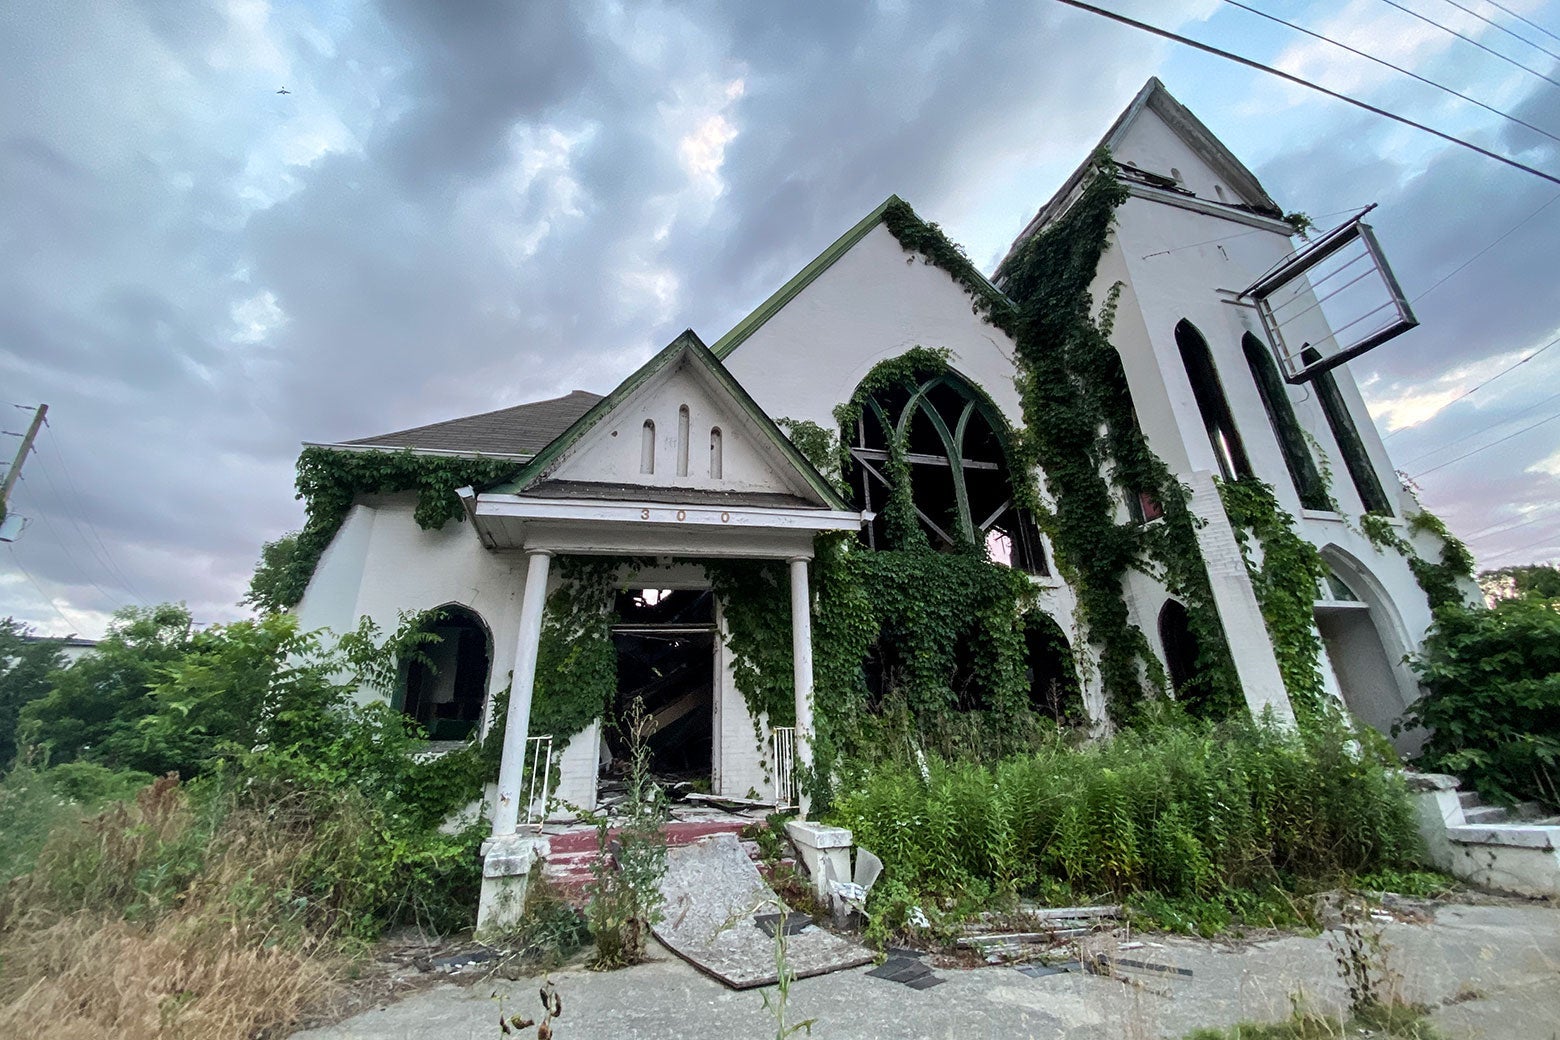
pixel 687 345
pixel 1154 97
pixel 799 281
pixel 522 430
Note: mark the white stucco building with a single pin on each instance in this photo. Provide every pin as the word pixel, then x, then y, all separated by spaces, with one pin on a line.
pixel 684 459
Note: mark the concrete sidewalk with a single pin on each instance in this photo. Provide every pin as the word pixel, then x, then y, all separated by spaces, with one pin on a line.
pixel 1488 970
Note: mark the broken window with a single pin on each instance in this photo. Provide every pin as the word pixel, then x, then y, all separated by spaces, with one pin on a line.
pixel 1355 458
pixel 665 642
pixel 1281 415
pixel 444 693
pixel 955 444
pixel 1211 402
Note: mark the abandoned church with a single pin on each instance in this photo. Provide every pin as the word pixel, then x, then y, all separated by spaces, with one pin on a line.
pixel 1128 466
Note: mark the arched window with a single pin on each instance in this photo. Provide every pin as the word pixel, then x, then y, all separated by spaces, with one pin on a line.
pixel 1053 677
pixel 1142 505
pixel 1211 402
pixel 682 441
pixel 444 693
pixel 715 453
pixel 956 451
pixel 647 447
pixel 1355 457
pixel 1281 415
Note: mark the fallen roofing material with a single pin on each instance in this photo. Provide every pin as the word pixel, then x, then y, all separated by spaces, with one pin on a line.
pixel 713 894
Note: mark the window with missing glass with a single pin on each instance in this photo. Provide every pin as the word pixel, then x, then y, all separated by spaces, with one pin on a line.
pixel 959 461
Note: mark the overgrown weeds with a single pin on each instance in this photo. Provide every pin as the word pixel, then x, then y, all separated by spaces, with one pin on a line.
pixel 1213 824
pixel 625 893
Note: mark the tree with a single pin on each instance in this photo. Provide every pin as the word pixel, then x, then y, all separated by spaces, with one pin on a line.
pixel 276 584
pixel 1493 700
pixel 25 664
pixel 94 708
pixel 1528 579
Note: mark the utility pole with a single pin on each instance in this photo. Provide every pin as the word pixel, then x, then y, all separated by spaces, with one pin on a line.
pixel 21 456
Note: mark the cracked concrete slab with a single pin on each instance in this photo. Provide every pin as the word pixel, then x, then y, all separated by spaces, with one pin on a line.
pixel 1490 971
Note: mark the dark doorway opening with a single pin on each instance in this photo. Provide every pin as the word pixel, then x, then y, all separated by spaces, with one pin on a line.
pixel 665 642
pixel 1053 678
pixel 1182 651
pixel 444 693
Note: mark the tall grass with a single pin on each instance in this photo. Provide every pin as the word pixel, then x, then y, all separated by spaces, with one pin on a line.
pixel 214 915
pixel 1177 811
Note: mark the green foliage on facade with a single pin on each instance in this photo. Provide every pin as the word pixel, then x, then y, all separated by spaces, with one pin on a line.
pixel 1286 584
pixel 1492 704
pixel 1081 431
pixel 328 482
pixel 1442 579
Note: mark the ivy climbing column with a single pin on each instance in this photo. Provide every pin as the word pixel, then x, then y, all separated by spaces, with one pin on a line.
pixel 507 858
pixel 802 658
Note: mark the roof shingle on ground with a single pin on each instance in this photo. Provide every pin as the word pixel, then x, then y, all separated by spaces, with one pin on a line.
pixel 524 429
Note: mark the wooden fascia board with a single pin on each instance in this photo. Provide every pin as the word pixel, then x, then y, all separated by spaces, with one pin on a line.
pixel 626 511
pixel 761 314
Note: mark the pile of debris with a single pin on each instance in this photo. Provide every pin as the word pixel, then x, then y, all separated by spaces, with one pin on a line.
pixel 1084 939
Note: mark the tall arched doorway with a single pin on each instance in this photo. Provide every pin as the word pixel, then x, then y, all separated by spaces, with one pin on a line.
pixel 1366 661
pixel 1182 649
pixel 444 693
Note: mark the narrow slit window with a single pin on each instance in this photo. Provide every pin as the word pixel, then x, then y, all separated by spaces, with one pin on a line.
pixel 1355 457
pixel 1281 415
pixel 715 453
pixel 647 448
pixel 682 441
pixel 1211 402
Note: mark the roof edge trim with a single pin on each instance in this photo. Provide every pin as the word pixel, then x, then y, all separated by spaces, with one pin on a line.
pixel 761 314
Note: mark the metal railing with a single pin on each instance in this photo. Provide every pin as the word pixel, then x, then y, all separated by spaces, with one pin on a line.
pixel 538 755
pixel 786 796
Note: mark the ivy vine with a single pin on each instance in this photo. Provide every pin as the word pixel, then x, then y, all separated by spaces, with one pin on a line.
pixel 1082 433
pixel 1440 580
pixel 1286 584
pixel 330 480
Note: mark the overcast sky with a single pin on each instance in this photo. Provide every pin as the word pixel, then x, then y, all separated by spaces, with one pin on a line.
pixel 462 206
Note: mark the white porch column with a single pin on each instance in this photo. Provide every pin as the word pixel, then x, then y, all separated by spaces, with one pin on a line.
pixel 801 653
pixel 507 857
pixel 506 808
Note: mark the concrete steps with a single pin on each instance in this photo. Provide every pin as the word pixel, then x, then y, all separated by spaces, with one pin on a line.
pixel 574 852
pixel 1507 848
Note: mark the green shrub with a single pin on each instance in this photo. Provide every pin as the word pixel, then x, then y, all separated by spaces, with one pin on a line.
pixel 1493 700
pixel 1185 812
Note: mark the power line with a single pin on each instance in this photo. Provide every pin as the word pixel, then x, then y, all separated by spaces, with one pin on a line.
pixel 46 598
pixel 1395 68
pixel 1491 530
pixel 1502 28
pixel 1469 39
pixel 1458 269
pixel 1493 24
pixel 1520 18
pixel 1281 74
pixel 1488 446
pixel 1550 539
pixel 1503 420
pixel 107 558
pixel 1484 384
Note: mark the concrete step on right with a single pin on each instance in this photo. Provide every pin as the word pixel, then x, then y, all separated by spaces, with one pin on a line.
pixel 1486 814
pixel 1469 799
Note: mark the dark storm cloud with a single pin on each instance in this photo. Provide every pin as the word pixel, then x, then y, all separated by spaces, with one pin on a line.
pixel 459 207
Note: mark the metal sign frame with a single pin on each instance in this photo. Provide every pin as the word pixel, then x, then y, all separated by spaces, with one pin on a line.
pixel 1291 361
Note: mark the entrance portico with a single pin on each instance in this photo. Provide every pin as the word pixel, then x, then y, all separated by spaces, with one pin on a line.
pixel 757 499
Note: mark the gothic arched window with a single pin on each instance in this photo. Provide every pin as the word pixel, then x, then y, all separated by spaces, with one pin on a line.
pixel 956 451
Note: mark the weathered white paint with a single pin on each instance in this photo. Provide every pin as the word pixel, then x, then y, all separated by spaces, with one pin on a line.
pixel 802 660
pixel 517 724
pixel 874 303
pixel 685 404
